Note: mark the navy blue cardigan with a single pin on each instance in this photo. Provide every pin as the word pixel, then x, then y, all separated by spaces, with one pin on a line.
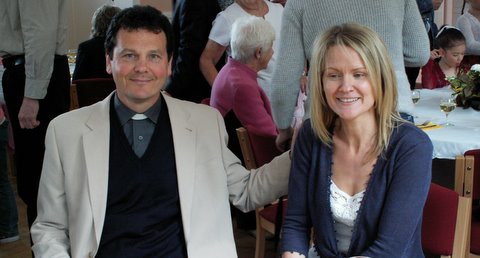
pixel 389 221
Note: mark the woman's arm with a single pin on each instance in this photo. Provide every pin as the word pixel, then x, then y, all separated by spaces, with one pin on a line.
pixel 209 58
pixel 405 197
pixel 297 223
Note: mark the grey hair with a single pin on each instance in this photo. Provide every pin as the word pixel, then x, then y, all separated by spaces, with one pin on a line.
pixel 101 19
pixel 247 35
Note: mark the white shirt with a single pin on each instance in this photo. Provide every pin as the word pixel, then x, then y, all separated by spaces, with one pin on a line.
pixel 222 26
pixel 344 210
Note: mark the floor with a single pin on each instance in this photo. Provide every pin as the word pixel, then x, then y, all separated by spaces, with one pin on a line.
pixel 21 249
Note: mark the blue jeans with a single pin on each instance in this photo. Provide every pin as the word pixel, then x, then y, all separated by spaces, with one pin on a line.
pixel 8 206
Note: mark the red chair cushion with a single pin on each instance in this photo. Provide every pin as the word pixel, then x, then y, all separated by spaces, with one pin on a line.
pixel 439 219
pixel 270 212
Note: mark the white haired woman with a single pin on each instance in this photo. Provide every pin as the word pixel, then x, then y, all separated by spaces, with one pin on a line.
pixel 219 38
pixel 236 92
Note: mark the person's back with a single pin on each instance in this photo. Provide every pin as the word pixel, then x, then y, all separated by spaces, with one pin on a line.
pixel 469 24
pixel 192 21
pixel 397 22
pixel 90 60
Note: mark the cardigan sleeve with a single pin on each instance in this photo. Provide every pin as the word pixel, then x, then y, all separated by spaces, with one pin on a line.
pixel 416 45
pixel 467 28
pixel 405 196
pixel 289 65
pixel 297 223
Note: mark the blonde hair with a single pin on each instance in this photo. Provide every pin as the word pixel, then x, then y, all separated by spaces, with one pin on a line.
pixel 380 74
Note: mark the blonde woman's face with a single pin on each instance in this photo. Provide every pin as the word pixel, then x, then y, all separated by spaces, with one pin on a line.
pixel 347 85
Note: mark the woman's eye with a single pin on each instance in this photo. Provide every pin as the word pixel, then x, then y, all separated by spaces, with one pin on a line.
pixel 360 75
pixel 333 76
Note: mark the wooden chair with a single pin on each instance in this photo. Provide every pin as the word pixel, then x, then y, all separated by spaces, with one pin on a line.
pixel 467 183
pixel 85 92
pixel 445 223
pixel 258 150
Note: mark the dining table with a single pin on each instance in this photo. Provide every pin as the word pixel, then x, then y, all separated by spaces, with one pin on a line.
pixel 448 141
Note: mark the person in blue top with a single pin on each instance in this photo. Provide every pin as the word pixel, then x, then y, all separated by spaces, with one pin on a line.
pixel 360 174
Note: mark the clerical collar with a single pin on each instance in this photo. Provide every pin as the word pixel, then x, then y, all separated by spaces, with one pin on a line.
pixel 124 113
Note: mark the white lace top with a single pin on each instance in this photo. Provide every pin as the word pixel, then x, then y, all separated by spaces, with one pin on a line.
pixel 344 210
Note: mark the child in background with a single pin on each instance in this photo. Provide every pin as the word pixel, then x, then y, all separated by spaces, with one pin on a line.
pixel 469 24
pixel 445 58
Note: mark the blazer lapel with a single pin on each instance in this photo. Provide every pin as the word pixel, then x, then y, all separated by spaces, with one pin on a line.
pixel 184 140
pixel 96 144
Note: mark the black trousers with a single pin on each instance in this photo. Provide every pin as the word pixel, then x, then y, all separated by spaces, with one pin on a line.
pixel 30 143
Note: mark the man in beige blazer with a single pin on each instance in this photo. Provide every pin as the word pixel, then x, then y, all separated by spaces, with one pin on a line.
pixel 77 210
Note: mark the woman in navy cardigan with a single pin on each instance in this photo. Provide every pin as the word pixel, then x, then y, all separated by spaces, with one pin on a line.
pixel 360 174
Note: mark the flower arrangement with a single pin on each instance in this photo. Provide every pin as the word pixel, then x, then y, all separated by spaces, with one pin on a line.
pixel 466 87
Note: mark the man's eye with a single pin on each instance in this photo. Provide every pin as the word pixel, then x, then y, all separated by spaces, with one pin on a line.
pixel 155 58
pixel 128 56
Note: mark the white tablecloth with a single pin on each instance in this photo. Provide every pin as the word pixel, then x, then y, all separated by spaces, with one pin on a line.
pixel 449 141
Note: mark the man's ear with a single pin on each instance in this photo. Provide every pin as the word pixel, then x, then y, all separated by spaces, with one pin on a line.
pixel 108 62
pixel 170 66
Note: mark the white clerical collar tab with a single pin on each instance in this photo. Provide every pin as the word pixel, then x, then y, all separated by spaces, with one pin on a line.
pixel 139 117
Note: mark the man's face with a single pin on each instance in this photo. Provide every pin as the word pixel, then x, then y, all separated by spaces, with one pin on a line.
pixel 140 67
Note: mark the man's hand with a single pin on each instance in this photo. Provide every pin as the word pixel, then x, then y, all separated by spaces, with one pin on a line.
pixel 283 138
pixel 27 116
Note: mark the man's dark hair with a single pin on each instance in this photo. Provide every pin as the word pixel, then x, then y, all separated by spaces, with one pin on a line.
pixel 135 18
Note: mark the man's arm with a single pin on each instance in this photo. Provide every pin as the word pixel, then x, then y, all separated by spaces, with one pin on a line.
pixel 251 189
pixel 39 19
pixel 50 233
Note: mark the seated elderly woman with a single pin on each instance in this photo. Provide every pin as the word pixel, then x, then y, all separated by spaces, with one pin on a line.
pixel 236 92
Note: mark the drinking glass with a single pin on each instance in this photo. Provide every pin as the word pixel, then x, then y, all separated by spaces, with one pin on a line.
pixel 415 99
pixel 447 105
pixel 415 96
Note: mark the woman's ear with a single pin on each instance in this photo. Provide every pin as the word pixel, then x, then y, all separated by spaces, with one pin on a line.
pixel 258 53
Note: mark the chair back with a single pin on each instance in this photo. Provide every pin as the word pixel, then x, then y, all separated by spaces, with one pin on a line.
pixel 475 154
pixel 446 217
pixel 84 92
pixel 263 147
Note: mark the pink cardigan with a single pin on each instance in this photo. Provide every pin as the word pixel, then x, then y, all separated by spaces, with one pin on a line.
pixel 236 88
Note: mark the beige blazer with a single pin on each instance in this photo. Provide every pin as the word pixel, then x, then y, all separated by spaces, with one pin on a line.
pixel 73 186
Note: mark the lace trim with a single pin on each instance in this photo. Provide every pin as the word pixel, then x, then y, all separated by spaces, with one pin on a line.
pixel 344 207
